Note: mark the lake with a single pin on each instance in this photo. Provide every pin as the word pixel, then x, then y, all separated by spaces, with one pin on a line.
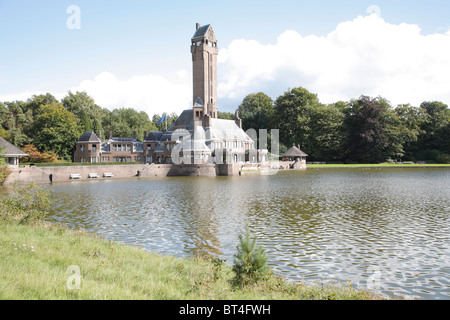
pixel 381 229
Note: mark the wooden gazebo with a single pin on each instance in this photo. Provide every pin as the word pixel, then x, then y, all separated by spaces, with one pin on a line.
pixel 295 153
pixel 297 156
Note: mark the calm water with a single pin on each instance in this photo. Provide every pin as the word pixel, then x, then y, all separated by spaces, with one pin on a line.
pixel 382 229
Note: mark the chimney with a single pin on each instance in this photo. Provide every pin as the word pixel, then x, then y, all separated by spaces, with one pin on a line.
pixel 134 135
pixel 206 122
pixel 197 26
pixel 100 135
pixel 110 134
pixel 237 120
pixel 145 135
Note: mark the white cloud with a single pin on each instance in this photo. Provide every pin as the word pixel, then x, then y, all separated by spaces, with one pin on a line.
pixel 364 56
pixel 150 93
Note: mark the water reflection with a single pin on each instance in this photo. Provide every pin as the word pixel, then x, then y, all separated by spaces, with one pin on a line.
pixel 382 229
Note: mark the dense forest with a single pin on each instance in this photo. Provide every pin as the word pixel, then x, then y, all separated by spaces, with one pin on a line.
pixel 364 130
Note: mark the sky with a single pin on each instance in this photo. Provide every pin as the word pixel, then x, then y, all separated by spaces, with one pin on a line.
pixel 136 53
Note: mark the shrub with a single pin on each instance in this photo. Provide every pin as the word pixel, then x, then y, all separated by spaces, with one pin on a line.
pixel 250 261
pixel 26 205
pixel 443 158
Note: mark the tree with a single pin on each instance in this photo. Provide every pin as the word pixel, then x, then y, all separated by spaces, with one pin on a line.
pixel 250 260
pixel 225 115
pixel 408 121
pixel 368 122
pixel 85 122
pixel 292 116
pixel 122 122
pixel 55 129
pixel 328 137
pixel 434 137
pixel 3 168
pixel 170 118
pixel 81 102
pixel 256 111
pixel 36 101
pixel 35 156
pixel 14 122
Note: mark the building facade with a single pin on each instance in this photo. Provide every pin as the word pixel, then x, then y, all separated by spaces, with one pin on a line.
pixel 196 137
pixel 11 153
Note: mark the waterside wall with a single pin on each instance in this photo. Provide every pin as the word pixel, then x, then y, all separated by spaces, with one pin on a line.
pixel 35 174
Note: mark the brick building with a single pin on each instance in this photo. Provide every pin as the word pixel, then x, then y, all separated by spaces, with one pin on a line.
pixel 197 136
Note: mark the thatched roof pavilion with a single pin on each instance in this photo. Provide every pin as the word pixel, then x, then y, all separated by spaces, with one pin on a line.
pixel 294 152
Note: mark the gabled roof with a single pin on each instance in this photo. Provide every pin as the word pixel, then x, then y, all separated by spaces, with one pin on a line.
pixel 89 136
pixel 201 32
pixel 199 103
pixel 154 136
pixel 10 150
pixel 186 120
pixel 222 129
pixel 294 152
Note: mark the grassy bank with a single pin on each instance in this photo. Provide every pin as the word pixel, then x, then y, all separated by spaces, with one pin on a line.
pixel 40 260
pixel 379 165
pixel 35 259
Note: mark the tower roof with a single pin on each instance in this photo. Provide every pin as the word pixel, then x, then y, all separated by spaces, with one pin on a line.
pixel 89 136
pixel 199 103
pixel 201 31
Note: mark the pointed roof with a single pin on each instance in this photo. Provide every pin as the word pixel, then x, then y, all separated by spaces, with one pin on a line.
pixel 11 150
pixel 294 152
pixel 89 136
pixel 201 32
pixel 154 136
pixel 185 120
pixel 199 103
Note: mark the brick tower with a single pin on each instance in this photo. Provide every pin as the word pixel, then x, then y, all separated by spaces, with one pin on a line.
pixel 204 63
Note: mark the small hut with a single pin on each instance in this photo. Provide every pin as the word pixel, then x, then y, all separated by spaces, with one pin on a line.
pixel 298 156
pixel 11 153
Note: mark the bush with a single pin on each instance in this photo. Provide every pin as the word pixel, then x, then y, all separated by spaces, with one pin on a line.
pixel 250 261
pixel 25 205
pixel 443 158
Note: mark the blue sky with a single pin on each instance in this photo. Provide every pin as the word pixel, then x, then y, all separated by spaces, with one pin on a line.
pixel 136 53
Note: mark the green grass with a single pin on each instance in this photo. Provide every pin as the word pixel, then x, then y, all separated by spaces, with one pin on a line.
pixel 37 258
pixel 34 260
pixel 379 165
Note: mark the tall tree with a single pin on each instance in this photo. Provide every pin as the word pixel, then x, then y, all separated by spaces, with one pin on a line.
pixel 36 101
pixel 292 116
pixel 122 122
pixel 328 137
pixel 434 138
pixel 369 137
pixel 55 129
pixel 256 111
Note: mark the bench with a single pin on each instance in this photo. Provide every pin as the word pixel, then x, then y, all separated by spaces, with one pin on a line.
pixel 108 175
pixel 93 175
pixel 75 176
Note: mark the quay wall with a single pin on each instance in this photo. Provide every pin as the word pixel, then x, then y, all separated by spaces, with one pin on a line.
pixel 51 174
pixel 57 174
